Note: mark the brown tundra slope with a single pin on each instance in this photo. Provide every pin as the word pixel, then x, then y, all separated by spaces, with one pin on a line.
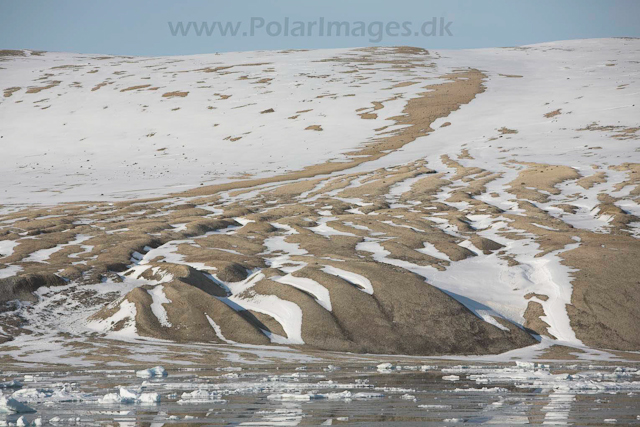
pixel 388 200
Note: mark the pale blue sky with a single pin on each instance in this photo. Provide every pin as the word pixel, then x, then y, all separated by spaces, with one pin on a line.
pixel 141 27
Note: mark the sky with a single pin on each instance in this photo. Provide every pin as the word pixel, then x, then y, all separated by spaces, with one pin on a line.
pixel 152 27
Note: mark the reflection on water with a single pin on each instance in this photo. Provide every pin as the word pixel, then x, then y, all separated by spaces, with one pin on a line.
pixel 329 395
pixel 557 411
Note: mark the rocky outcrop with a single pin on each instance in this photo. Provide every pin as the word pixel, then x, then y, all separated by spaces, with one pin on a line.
pixel 22 287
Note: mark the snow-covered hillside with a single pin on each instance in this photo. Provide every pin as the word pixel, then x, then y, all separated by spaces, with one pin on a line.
pixel 388 200
pixel 91 127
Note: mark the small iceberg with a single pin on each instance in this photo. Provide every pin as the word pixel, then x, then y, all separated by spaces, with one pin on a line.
pixel 157 372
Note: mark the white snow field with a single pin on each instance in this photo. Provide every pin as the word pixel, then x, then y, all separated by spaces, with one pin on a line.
pixel 112 127
pixel 101 128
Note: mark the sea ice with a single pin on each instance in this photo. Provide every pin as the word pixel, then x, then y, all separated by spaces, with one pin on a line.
pixel 157 372
pixel 9 405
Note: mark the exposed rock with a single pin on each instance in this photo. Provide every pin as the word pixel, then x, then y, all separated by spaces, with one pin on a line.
pixel 22 287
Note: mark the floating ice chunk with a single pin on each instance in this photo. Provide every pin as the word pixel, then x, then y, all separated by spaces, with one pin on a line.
pixel 367 395
pixel 232 369
pixel 345 395
pixel 482 390
pixel 149 398
pixel 294 396
pixel 124 396
pixel 525 365
pixel 386 368
pixel 67 394
pixel 230 375
pixel 9 405
pixel 30 395
pixel 200 396
pixel 451 378
pixel 115 398
pixel 395 389
pixel 157 372
pixel 10 384
pixel 608 386
pixel 434 406
pixel 63 394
